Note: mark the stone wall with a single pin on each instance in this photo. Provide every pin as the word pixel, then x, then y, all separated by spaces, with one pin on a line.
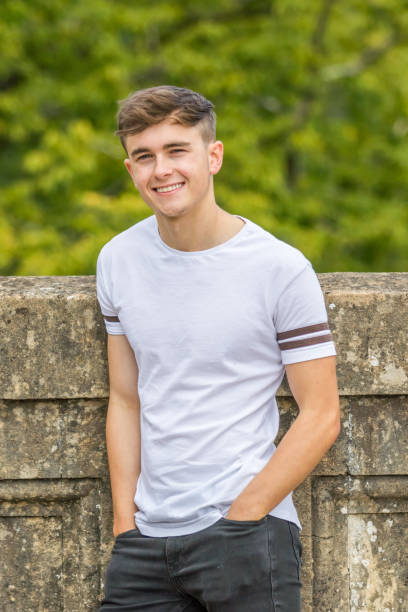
pixel 55 508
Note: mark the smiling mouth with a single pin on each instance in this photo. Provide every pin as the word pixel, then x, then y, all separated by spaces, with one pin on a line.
pixel 168 188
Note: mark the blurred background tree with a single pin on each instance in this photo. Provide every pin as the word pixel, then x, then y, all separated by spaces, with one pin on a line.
pixel 312 107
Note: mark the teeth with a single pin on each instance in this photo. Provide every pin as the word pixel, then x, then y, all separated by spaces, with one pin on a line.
pixel 170 188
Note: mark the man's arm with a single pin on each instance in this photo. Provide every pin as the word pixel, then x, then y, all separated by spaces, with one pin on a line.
pixel 314 387
pixel 123 431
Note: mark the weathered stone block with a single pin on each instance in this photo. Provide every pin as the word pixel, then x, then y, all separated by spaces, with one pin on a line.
pixel 52 440
pixel 52 338
pixel 30 442
pixel 83 438
pixel 369 319
pixel 377 561
pixel 50 536
pixel 377 435
pixel 31 575
pixel 349 517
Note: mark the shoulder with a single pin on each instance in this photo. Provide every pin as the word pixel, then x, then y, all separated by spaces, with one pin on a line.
pixel 279 257
pixel 132 237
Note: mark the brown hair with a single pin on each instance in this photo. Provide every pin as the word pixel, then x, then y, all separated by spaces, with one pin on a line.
pixel 148 107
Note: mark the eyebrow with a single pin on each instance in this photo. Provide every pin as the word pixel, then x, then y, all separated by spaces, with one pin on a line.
pixel 171 145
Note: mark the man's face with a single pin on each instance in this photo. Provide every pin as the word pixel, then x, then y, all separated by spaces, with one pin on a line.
pixel 172 167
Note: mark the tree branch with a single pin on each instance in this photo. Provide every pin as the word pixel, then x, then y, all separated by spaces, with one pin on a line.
pixel 317 39
pixel 368 57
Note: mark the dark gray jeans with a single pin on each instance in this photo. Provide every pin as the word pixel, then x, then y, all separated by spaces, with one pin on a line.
pixel 231 566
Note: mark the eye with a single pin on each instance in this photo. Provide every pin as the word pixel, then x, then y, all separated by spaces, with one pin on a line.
pixel 143 157
pixel 177 150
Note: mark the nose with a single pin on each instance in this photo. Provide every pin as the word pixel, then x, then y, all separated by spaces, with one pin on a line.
pixel 162 167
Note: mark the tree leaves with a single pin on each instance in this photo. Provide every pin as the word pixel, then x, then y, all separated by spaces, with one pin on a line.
pixel 311 105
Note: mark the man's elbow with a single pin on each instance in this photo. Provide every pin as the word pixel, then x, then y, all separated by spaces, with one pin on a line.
pixel 326 417
pixel 333 420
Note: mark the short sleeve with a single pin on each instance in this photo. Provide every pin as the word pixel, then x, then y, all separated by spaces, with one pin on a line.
pixel 109 314
pixel 301 320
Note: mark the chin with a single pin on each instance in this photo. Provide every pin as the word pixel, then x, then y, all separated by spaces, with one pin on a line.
pixel 173 212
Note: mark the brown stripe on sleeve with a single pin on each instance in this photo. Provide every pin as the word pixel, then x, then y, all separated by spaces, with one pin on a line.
pixel 112 319
pixel 310 329
pixel 305 342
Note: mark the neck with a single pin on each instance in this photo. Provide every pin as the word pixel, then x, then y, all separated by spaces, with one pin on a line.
pixel 200 230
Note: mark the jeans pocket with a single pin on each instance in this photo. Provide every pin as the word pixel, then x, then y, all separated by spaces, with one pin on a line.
pixel 127 532
pixel 248 522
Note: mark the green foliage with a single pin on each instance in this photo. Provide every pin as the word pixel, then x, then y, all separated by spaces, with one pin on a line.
pixel 311 102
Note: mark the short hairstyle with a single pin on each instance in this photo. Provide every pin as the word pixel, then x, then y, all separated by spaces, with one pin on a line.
pixel 147 107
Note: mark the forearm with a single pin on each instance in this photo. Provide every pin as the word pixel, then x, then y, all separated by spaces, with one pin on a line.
pixel 123 448
pixel 300 450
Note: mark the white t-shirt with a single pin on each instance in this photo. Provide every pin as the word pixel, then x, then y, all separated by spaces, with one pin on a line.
pixel 211 332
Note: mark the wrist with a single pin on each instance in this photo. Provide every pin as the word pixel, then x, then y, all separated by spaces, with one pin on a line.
pixel 240 510
pixel 123 525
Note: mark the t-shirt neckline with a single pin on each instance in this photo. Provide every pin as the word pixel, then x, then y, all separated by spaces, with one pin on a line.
pixel 213 249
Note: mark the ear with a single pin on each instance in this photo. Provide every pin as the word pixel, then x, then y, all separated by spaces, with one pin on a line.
pixel 128 166
pixel 215 155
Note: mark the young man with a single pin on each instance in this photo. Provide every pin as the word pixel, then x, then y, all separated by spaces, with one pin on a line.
pixel 205 311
